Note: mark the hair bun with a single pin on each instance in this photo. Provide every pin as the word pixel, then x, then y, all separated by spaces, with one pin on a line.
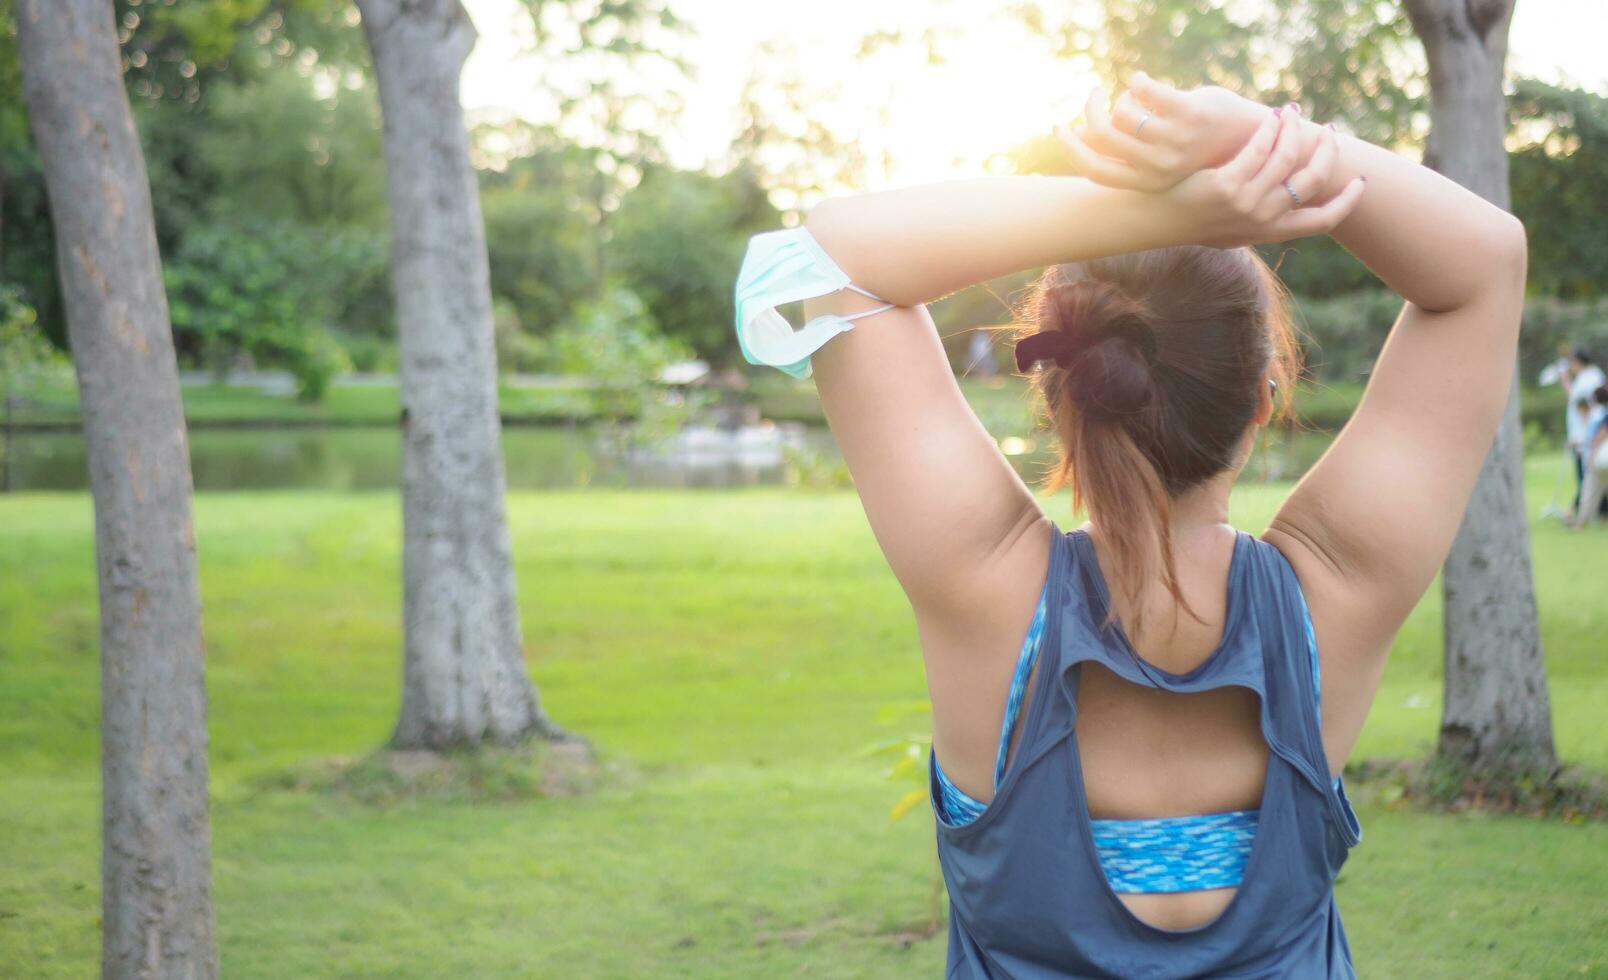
pixel 1102 339
pixel 1111 380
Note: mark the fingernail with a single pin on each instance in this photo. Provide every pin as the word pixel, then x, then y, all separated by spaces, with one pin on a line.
pixel 1277 111
pixel 1295 108
pixel 1332 127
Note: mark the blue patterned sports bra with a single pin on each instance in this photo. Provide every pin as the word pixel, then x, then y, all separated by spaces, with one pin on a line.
pixel 1162 854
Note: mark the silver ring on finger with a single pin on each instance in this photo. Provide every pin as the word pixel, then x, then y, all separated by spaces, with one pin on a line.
pixel 1290 189
pixel 1137 130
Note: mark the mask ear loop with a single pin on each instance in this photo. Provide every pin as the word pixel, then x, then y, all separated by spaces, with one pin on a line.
pixel 865 313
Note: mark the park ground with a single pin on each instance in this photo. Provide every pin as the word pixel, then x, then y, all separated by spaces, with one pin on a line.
pixel 728 651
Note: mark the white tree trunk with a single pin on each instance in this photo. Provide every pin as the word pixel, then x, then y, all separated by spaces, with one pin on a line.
pixel 464 674
pixel 1497 714
pixel 156 891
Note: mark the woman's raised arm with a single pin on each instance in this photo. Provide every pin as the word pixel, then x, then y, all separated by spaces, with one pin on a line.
pixel 957 525
pixel 946 507
pixel 1372 521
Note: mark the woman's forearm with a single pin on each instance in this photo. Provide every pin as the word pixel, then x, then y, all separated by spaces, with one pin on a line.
pixel 917 244
pixel 1440 246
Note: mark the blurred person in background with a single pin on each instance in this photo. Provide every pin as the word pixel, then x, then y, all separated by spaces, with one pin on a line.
pixel 1594 454
pixel 1578 373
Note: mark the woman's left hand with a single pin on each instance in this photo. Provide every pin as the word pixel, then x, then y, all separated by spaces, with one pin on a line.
pixel 1268 192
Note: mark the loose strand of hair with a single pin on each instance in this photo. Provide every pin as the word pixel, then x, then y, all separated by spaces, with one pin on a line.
pixel 1127 502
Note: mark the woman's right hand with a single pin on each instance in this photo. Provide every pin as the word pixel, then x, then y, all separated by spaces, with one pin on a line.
pixel 1277 187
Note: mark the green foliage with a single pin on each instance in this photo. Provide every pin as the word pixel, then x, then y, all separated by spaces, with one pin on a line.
pixel 1551 325
pixel 541 246
pixel 1559 176
pixel 1351 60
pixel 13 114
pixel 174 51
pixel 370 353
pixel 28 361
pixel 269 148
pixel 29 365
pixel 613 340
pixel 273 147
pixel 27 241
pixel 783 139
pixel 517 351
pixel 675 240
pixel 612 67
pixel 1356 62
pixel 1342 334
pixel 614 343
pixel 267 290
pixel 1318 268
pixel 678 239
pixel 170 48
pixel 905 755
pixel 272 158
pixel 818 469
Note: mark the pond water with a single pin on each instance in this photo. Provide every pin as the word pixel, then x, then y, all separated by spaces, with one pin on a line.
pixel 369 458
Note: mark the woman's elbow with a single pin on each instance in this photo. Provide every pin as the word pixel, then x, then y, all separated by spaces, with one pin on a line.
pixel 1510 249
pixel 1504 263
pixel 825 220
pixel 850 237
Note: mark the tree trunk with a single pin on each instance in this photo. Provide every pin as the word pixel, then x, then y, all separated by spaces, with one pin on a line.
pixel 1497 715
pixel 464 674
pixel 156 890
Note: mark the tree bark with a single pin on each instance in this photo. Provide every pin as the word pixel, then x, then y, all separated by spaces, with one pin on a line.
pixel 464 674
pixel 156 890
pixel 1497 714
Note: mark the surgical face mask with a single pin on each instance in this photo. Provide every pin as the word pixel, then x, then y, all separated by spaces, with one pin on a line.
pixel 783 267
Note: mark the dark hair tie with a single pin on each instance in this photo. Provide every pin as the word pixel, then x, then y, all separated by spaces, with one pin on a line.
pixel 1065 346
pixel 1060 346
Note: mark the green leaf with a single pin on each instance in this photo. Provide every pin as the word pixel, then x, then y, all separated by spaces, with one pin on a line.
pixel 906 803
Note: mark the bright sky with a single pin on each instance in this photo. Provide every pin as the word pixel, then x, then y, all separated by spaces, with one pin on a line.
pixel 1000 86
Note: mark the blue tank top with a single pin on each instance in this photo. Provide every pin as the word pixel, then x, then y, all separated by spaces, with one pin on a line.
pixel 1028 896
pixel 1163 854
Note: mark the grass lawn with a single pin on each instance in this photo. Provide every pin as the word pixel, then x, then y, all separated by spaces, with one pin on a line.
pixel 733 648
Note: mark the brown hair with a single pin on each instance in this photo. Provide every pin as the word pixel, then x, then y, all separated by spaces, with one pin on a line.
pixel 1154 386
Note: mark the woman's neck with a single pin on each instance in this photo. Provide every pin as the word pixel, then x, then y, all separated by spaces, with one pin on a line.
pixel 1202 508
pixel 1198 527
